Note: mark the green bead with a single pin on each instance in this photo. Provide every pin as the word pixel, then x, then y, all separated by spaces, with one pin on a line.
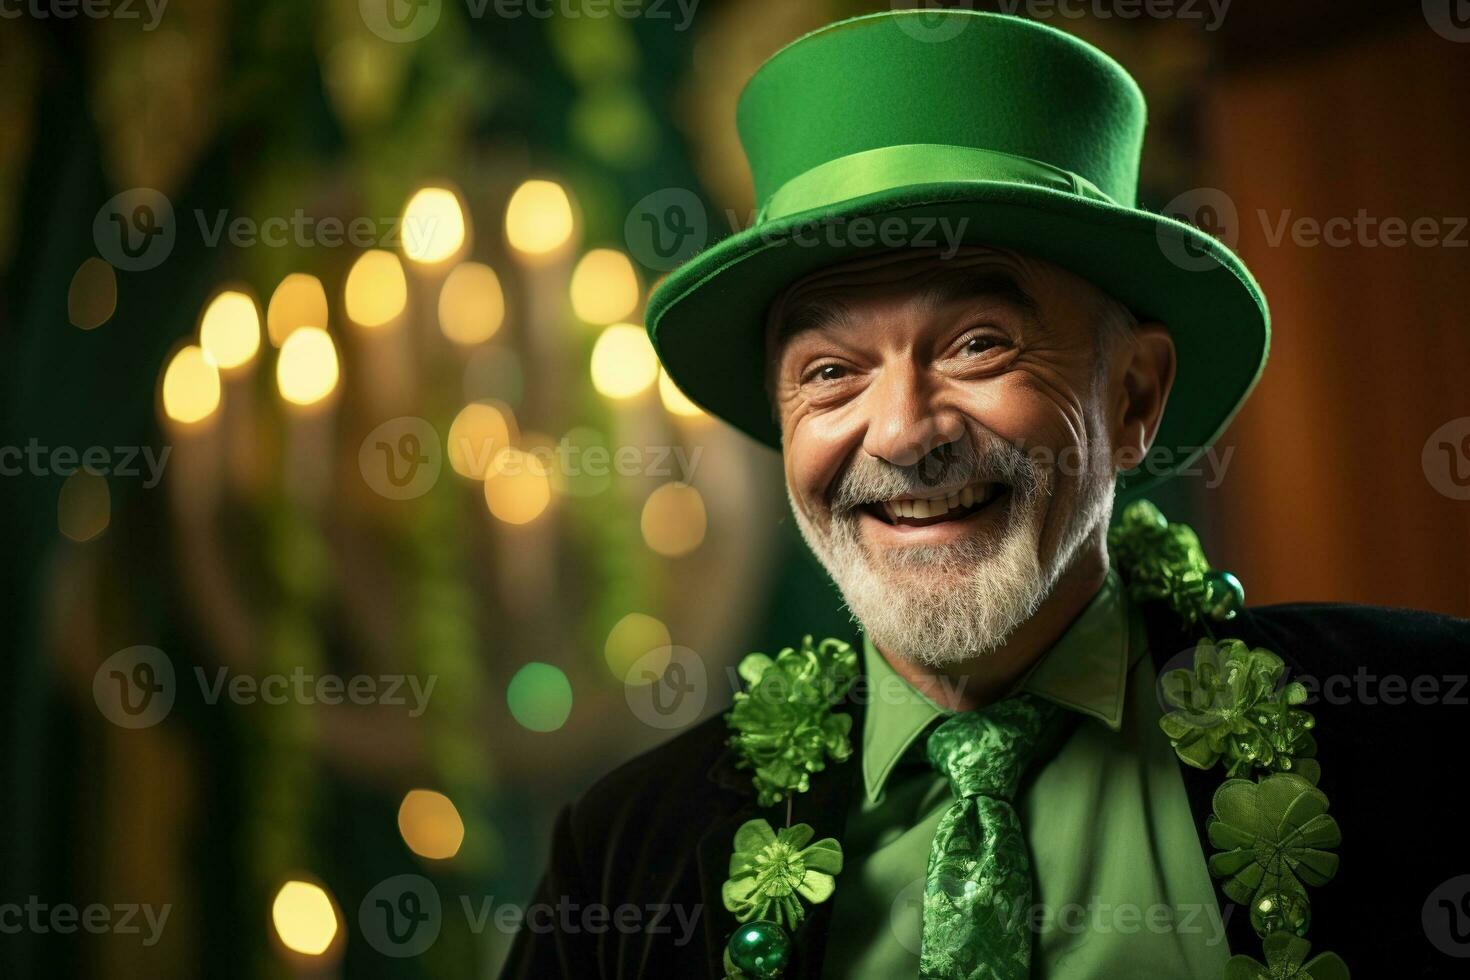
pixel 1282 911
pixel 760 949
pixel 1224 595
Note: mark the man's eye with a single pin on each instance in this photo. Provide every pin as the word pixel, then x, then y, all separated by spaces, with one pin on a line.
pixel 828 372
pixel 978 344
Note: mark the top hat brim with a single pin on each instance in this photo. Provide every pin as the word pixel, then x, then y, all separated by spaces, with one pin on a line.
pixel 707 320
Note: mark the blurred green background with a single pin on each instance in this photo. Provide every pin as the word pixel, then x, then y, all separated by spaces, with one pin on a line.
pixel 434 543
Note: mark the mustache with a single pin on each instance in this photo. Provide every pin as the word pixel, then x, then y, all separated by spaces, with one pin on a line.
pixel 870 480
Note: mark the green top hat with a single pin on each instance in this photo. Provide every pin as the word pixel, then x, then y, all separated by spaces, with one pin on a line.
pixel 1029 135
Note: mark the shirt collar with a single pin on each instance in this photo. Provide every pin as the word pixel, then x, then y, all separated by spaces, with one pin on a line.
pixel 1086 671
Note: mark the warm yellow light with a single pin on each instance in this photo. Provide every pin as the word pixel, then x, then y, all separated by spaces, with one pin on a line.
pixel 623 361
pixel 304 917
pixel 84 508
pixel 91 298
pixel 675 400
pixel 190 385
pixel 635 636
pixel 306 370
pixel 674 519
pixel 430 824
pixel 604 287
pixel 299 301
pixel 538 219
pixel 471 304
pixel 479 432
pixel 376 290
pixel 230 329
pixel 433 225
pixel 517 487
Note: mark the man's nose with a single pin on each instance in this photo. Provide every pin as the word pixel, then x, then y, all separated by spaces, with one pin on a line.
pixel 904 424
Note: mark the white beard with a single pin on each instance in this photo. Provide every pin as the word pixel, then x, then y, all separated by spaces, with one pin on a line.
pixel 940 605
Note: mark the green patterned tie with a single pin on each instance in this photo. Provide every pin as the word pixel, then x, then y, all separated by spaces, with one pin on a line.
pixel 977 893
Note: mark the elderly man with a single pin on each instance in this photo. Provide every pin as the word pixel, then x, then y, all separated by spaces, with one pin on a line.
pixel 1054 751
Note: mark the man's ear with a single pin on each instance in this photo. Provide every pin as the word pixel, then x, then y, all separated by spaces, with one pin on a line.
pixel 1147 376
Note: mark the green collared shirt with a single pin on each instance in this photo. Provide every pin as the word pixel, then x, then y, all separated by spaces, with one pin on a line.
pixel 1121 887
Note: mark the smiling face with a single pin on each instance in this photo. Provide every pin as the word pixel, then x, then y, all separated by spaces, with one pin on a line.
pixel 951 431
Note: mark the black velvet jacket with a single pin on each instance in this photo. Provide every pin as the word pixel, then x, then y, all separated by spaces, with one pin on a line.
pixel 1393 713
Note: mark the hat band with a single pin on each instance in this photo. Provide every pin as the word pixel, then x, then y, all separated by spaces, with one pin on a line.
pixel 888 167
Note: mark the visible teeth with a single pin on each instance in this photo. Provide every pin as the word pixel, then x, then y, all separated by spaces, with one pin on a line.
pixel 967 497
pixel 952 501
pixel 921 508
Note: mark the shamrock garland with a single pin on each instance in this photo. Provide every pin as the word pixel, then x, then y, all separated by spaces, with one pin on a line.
pixel 1232 708
pixel 1274 833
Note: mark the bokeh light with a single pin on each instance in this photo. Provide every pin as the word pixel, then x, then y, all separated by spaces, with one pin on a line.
pixel 477 434
pixel 376 290
pixel 634 636
pixel 517 486
pixel 230 329
pixel 540 697
pixel 471 303
pixel 675 400
pixel 604 287
pixel 305 917
pixel 433 227
pixel 84 506
pixel 430 824
pixel 299 301
pixel 623 361
pixel 306 370
pixel 91 299
pixel 674 519
pixel 538 219
pixel 191 390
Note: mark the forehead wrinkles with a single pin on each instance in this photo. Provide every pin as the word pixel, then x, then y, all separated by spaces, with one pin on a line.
pixel 818 299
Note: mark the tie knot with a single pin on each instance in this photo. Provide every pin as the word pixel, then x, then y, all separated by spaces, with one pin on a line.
pixel 985 753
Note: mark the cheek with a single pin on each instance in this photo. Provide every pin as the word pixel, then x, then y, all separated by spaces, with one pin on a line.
pixel 1028 414
pixel 814 449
